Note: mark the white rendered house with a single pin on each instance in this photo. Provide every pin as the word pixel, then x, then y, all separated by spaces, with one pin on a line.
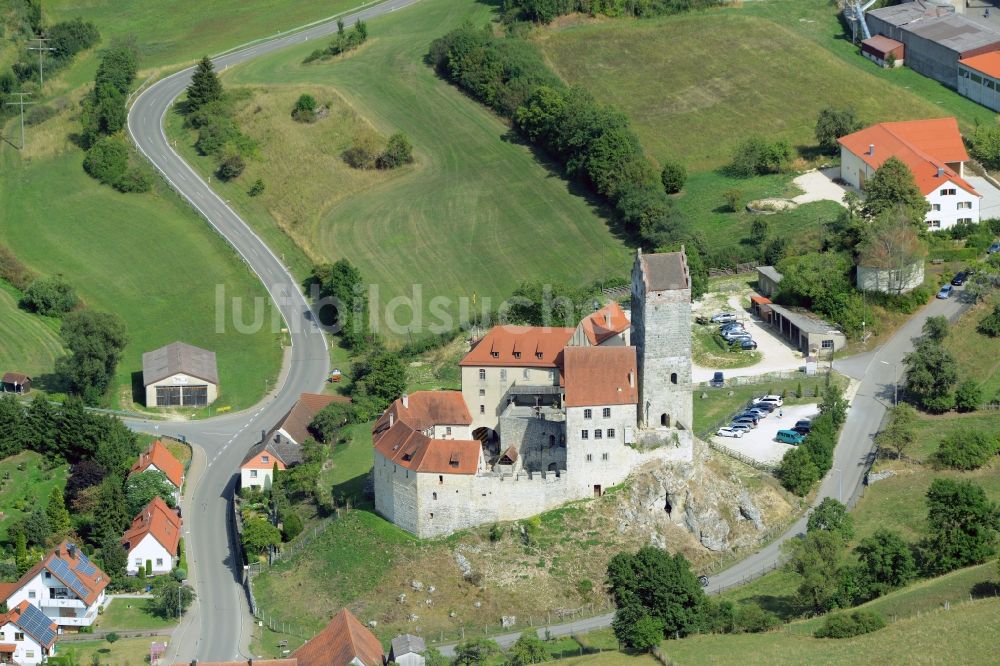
pixel 27 636
pixel 153 537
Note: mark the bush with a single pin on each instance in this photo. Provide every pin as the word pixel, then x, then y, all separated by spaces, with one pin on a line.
pixel 49 296
pixel 291 526
pixel 13 271
pixel 305 109
pixel 756 156
pixel 753 619
pixel 39 114
pixel 968 396
pixel 107 160
pixel 256 189
pixel 364 152
pixel 984 145
pixel 136 179
pixel 798 472
pixel 673 177
pixel 841 625
pixel 990 324
pixel 397 152
pixel 734 199
pixel 111 637
pixel 231 167
pixel 179 574
pixel 965 450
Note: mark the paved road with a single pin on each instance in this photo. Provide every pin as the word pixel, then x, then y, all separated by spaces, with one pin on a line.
pixel 876 371
pixel 218 627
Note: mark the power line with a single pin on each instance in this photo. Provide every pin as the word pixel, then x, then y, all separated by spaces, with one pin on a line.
pixel 22 104
pixel 41 48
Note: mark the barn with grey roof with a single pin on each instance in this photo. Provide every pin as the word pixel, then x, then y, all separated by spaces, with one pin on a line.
pixel 180 375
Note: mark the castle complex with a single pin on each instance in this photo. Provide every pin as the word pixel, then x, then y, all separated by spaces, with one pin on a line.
pixel 545 415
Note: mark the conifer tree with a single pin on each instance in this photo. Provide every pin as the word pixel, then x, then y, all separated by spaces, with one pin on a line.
pixel 205 86
pixel 57 514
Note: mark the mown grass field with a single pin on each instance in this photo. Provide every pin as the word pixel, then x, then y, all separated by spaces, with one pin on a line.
pixel 29 343
pixel 174 31
pixel 978 355
pixel 25 483
pixel 126 614
pixel 474 216
pixel 124 652
pixel 695 85
pixel 147 258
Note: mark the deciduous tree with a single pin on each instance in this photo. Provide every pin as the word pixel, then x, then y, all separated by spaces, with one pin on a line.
pixel 884 562
pixel 141 488
pixel 831 515
pixel 893 188
pixel 834 123
pixel 963 526
pixel 95 341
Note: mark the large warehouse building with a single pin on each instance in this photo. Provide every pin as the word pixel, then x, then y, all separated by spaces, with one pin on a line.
pixel 934 36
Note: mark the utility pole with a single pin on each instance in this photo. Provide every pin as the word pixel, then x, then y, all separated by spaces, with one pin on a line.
pixel 20 102
pixel 41 48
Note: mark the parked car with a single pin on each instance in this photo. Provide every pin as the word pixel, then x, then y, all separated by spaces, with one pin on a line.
pixel 790 437
pixel 718 380
pixel 746 420
pixel 770 399
pixel 723 318
pixel 729 327
pixel 733 335
pixel 803 427
pixel 960 278
pixel 747 415
pixel 748 344
pixel 766 406
pixel 945 291
pixel 729 432
pixel 994 248
pixel 742 427
pixel 759 412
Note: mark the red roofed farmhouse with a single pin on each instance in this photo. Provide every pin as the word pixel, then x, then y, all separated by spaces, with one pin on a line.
pixel 153 537
pixel 932 149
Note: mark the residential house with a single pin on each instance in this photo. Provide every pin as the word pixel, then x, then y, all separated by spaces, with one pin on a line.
pixel 407 650
pixel 608 326
pixel 180 375
pixel 27 636
pixel 343 642
pixel 66 586
pixel 158 458
pixel 935 154
pixel 153 539
pixel 16 382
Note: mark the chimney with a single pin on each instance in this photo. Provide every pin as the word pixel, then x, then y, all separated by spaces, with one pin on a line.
pixel 406 401
pixel 392 419
pixel 871 148
pixel 940 172
pixel 607 320
pixel 194 662
pixel 71 551
pixel 631 379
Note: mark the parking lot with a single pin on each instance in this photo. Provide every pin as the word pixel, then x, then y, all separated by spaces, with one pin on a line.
pixel 759 443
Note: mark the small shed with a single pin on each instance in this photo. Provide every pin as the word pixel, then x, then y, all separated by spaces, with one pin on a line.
pixel 15 382
pixel 180 375
pixel 879 48
pixel 407 650
pixel 768 279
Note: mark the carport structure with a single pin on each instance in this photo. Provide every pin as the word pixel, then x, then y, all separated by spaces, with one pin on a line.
pixel 806 331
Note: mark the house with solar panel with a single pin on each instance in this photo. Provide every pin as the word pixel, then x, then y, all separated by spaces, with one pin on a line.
pixel 65 586
pixel 27 636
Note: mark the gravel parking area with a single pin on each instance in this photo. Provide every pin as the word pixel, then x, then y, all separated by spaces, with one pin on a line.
pixel 759 443
pixel 776 353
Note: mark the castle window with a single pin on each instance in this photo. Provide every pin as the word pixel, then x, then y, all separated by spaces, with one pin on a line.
pixel 611 433
pixel 482 409
pixel 673 377
pixel 482 392
pixel 441 479
pixel 482 374
pixel 432 515
pixel 606 412
pixel 664 420
pixel 587 413
pixel 503 374
pixel 604 456
pixel 447 430
pixel 584 434
pixel 598 433
pixel 434 496
pixel 590 458
pixel 524 373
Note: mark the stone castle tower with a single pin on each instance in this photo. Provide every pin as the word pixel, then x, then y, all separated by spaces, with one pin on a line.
pixel 661 333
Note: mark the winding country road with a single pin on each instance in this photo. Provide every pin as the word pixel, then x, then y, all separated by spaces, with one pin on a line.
pixel 217 628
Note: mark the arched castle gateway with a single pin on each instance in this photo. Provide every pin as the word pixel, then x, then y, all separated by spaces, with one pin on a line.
pixel 545 415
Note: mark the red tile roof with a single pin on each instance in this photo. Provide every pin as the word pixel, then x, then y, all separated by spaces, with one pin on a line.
pixel 157 519
pixel 605 323
pixel 343 640
pixel 882 44
pixel 923 145
pixel 987 63
pixel 600 376
pixel 399 434
pixel 93 583
pixel 15 378
pixel 296 422
pixel 520 346
pixel 246 662
pixel 159 456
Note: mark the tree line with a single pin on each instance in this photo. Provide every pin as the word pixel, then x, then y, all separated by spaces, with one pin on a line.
pixel 544 11
pixel 804 465
pixel 593 142
pixel 97 504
